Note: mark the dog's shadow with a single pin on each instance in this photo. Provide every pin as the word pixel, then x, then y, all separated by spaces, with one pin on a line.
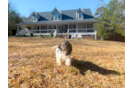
pixel 84 66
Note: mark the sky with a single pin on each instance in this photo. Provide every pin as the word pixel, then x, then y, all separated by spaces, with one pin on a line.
pixel 26 7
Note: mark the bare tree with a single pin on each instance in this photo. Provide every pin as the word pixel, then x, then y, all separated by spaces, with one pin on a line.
pixel 13 18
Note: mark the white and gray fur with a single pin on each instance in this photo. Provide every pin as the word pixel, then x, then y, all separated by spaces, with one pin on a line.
pixel 61 56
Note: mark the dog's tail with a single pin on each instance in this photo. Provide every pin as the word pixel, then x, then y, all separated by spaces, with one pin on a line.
pixel 54 46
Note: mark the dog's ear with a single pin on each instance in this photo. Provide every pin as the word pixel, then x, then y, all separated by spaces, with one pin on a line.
pixel 63 46
pixel 59 46
pixel 69 48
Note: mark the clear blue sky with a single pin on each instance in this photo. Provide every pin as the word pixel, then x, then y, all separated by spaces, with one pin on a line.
pixel 26 7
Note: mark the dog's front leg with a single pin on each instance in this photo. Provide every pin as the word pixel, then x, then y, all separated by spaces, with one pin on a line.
pixel 59 61
pixel 56 52
pixel 56 59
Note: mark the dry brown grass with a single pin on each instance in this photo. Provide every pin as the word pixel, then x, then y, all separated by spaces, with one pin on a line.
pixel 95 64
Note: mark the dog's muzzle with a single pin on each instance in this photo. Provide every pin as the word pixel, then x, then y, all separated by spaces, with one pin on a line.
pixel 65 48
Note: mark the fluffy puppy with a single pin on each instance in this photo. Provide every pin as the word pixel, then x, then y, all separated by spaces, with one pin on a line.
pixel 63 53
pixel 66 47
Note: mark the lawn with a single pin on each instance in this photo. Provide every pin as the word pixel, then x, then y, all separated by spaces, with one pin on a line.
pixel 95 64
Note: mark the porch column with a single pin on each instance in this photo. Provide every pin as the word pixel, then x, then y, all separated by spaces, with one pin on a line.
pixel 95 25
pixel 95 35
pixel 86 27
pixel 56 29
pixel 32 28
pixel 17 29
pixel 68 32
pixel 95 31
pixel 68 26
pixel 24 29
pixel 40 28
pixel 47 28
pixel 77 27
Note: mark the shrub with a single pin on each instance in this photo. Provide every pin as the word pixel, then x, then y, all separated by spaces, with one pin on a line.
pixel 106 35
pixel 39 35
pixel 23 35
pixel 31 34
pixel 51 35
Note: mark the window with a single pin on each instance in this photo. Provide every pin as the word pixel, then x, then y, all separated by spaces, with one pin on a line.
pixel 35 18
pixel 80 15
pixel 56 17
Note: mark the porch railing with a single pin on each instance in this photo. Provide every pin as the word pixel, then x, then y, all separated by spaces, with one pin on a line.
pixel 82 30
pixel 37 31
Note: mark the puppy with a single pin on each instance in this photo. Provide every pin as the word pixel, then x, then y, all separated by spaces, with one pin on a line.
pixel 63 53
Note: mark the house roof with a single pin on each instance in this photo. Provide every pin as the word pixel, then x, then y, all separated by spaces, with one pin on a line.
pixel 57 10
pixel 68 16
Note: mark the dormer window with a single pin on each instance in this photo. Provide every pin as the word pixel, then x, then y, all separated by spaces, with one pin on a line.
pixel 56 17
pixel 80 15
pixel 34 17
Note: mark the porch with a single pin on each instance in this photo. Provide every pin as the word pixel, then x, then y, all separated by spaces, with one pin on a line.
pixel 59 29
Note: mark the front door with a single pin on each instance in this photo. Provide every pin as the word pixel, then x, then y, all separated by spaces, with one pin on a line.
pixel 64 28
pixel 60 29
pixel 38 29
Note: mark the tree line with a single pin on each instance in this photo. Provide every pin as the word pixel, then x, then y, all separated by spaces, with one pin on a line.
pixel 111 20
pixel 13 18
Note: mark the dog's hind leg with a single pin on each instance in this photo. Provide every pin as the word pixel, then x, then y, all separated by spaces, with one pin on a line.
pixel 68 62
